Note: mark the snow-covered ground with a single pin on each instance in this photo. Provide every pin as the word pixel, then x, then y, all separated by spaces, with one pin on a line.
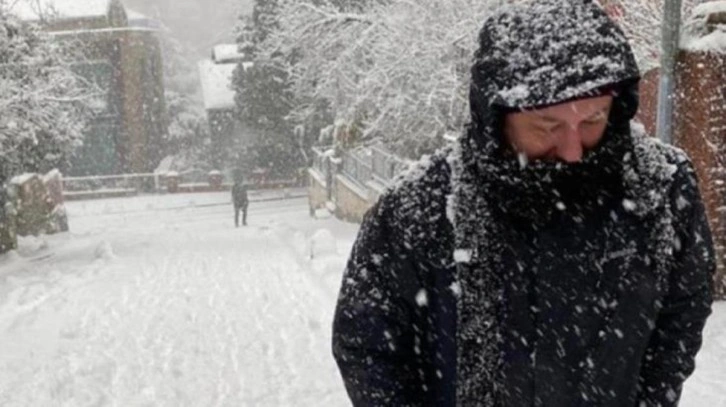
pixel 707 386
pixel 160 301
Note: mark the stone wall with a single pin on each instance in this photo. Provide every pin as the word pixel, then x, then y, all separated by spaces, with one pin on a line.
pixel 317 190
pixel 352 200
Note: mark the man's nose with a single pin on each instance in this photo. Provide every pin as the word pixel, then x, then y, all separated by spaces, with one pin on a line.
pixel 569 146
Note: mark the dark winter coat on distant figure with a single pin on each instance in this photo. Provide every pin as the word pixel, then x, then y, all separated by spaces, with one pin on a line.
pixel 240 201
pixel 479 281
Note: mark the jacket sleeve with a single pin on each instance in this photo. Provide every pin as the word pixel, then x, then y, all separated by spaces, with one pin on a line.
pixel 676 339
pixel 372 329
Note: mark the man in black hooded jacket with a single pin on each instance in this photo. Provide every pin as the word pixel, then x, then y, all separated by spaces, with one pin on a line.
pixel 555 256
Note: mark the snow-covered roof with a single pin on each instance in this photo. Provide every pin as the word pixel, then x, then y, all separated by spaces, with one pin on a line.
pixel 134 15
pixel 216 84
pixel 137 19
pixel 35 9
pixel 227 53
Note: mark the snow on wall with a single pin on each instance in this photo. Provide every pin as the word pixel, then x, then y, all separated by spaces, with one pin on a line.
pixel 713 42
pixel 708 8
pixel 34 9
pixel 696 35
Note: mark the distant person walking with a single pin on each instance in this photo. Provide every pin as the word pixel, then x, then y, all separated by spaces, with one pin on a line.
pixel 239 199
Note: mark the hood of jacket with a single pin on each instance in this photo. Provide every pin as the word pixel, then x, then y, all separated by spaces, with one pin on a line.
pixel 539 53
pixel 544 52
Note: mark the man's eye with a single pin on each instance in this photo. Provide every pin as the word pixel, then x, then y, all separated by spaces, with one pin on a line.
pixel 595 121
pixel 553 129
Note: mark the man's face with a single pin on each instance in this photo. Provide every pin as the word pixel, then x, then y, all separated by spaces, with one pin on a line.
pixel 561 132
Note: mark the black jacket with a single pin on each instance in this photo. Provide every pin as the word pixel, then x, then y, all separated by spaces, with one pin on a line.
pixel 239 194
pixel 474 281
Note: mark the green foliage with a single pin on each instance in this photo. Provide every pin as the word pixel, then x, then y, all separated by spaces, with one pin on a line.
pixel 263 95
pixel 276 160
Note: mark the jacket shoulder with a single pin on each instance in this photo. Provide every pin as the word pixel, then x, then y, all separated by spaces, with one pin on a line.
pixel 422 187
pixel 655 170
pixel 413 208
pixel 655 153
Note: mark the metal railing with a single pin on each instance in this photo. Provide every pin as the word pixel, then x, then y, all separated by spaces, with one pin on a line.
pixel 386 166
pixel 321 156
pixel 357 166
pixel 147 182
pixel 360 165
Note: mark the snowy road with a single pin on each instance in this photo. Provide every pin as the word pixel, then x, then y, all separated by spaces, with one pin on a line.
pixel 156 306
pixel 160 301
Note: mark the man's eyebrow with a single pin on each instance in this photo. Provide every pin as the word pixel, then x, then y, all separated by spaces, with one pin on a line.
pixel 548 120
pixel 603 111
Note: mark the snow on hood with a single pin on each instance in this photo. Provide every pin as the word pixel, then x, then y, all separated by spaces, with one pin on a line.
pixel 542 52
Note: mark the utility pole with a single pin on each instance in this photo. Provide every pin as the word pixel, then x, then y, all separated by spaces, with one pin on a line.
pixel 670 41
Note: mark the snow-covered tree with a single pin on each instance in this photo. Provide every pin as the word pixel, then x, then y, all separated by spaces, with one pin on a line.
pixel 245 34
pixel 187 121
pixel 44 105
pixel 395 70
pixel 264 101
pixel 265 20
pixel 264 98
pixel 262 89
pixel 263 92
